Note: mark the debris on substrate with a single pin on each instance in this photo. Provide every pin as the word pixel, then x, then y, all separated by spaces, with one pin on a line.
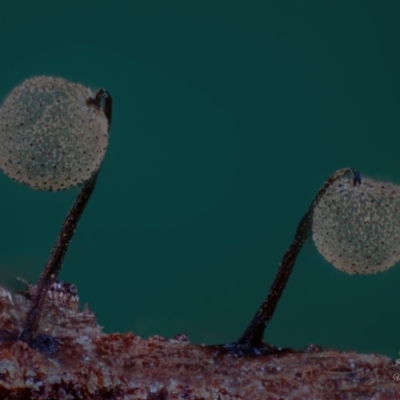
pixel 73 359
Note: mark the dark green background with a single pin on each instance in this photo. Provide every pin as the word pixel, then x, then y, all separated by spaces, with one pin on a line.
pixel 229 116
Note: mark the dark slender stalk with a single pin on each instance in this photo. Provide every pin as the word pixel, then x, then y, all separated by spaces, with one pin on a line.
pixel 53 266
pixel 251 342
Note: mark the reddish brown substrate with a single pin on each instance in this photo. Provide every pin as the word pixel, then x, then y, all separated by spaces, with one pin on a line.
pixel 87 364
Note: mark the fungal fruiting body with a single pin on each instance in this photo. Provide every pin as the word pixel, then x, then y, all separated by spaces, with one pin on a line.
pixel 356 226
pixel 53 135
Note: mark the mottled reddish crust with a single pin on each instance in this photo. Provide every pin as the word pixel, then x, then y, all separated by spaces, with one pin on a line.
pixel 88 364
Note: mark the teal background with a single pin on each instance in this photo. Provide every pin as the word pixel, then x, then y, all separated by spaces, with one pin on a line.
pixel 228 117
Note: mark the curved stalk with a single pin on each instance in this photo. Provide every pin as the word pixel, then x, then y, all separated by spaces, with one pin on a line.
pixel 251 342
pixel 53 266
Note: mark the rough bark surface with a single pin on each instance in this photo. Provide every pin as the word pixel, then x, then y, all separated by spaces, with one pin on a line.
pixel 84 363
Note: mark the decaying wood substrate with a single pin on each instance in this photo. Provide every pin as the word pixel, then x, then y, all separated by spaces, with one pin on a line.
pixel 84 363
